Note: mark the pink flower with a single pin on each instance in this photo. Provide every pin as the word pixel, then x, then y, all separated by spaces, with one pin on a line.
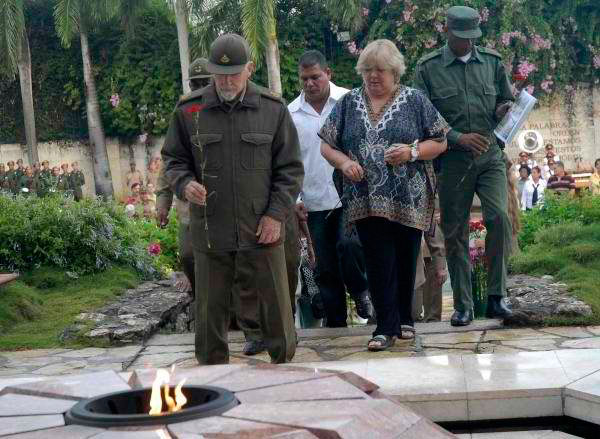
pixel 525 68
pixel 507 37
pixel 484 15
pixel 597 62
pixel 431 42
pixel 115 100
pixel 409 9
pixel 154 249
pixel 439 27
pixel 538 43
pixel 546 85
pixel 529 89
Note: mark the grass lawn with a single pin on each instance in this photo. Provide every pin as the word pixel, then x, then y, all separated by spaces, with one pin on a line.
pixel 35 309
pixel 571 253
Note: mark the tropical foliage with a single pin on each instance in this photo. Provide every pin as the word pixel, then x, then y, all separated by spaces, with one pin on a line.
pixel 548 45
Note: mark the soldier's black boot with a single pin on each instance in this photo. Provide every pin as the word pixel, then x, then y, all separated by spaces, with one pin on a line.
pixel 461 318
pixel 497 309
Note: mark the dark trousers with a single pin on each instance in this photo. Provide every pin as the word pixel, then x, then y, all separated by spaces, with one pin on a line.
pixel 262 269
pixel 391 252
pixel 186 253
pixel 246 298
pixel 340 264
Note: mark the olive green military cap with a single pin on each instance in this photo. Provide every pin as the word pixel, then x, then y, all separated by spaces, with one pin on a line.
pixel 229 54
pixel 463 22
pixel 198 69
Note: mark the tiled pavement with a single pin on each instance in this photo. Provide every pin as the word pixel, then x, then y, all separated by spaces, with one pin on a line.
pixel 316 345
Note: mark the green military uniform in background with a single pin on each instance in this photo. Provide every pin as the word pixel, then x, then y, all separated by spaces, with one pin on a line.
pixel 12 181
pixel 77 180
pixel 251 157
pixel 44 182
pixel 467 95
pixel 52 183
pixel 64 182
pixel 2 180
pixel 27 182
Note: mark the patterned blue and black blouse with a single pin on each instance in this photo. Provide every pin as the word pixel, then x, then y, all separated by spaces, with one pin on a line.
pixel 404 193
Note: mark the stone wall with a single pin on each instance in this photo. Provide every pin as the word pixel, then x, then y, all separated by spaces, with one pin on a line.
pixel 119 154
pixel 571 123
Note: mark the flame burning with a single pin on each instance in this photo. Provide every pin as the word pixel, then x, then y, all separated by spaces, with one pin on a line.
pixel 161 382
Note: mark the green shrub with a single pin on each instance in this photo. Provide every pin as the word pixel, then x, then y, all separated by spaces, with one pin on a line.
pixel 83 237
pixel 18 303
pixel 168 258
pixel 558 209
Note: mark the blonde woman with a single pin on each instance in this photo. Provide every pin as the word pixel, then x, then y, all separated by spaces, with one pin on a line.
pixel 383 137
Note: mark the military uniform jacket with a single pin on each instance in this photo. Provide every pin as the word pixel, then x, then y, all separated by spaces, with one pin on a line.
pixel 77 179
pixel 251 158
pixel 466 94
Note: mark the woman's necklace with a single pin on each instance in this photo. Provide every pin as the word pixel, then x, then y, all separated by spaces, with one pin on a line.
pixel 376 116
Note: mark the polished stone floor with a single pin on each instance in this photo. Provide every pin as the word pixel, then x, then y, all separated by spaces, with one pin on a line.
pixel 316 345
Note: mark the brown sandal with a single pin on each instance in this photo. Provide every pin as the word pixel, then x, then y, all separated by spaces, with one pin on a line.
pixel 408 332
pixel 381 342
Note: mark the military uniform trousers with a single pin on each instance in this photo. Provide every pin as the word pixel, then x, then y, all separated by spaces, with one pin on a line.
pixel 462 176
pixel 262 270
pixel 428 296
pixel 246 302
pixel 186 253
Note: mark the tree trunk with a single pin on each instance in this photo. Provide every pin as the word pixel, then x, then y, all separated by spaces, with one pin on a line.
pixel 181 19
pixel 272 58
pixel 96 131
pixel 24 65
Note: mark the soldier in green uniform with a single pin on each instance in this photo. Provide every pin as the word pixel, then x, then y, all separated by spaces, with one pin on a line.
pixel 77 181
pixel 44 179
pixel 53 180
pixel 19 170
pixel 469 86
pixel 2 176
pixel 27 184
pixel 64 179
pixel 232 151
pixel 11 182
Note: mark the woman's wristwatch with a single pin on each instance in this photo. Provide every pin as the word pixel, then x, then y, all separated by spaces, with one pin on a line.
pixel 414 151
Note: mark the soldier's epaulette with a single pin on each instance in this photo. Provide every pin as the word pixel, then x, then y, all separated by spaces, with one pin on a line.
pixel 429 56
pixel 270 94
pixel 189 97
pixel 489 51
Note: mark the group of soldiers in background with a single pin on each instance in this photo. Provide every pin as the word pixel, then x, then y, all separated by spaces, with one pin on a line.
pixel 41 180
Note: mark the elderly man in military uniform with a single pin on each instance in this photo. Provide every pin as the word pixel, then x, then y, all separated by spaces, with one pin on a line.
pixel 11 178
pixel 199 77
pixel 77 181
pixel 469 86
pixel 232 151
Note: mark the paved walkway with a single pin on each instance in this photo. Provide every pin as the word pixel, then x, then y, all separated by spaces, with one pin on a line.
pixel 316 345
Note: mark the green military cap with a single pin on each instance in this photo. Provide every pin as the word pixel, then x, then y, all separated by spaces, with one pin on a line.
pixel 463 22
pixel 198 69
pixel 229 54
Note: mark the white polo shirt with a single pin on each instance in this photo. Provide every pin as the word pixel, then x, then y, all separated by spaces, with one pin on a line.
pixel 318 191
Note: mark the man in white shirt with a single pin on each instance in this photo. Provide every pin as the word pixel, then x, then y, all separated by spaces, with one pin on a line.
pixel 336 254
pixel 533 191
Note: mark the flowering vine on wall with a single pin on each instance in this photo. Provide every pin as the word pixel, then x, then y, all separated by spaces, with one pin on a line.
pixel 547 45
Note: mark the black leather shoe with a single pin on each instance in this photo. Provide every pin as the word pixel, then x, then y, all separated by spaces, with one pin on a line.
pixel 461 318
pixel 364 307
pixel 497 309
pixel 254 347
